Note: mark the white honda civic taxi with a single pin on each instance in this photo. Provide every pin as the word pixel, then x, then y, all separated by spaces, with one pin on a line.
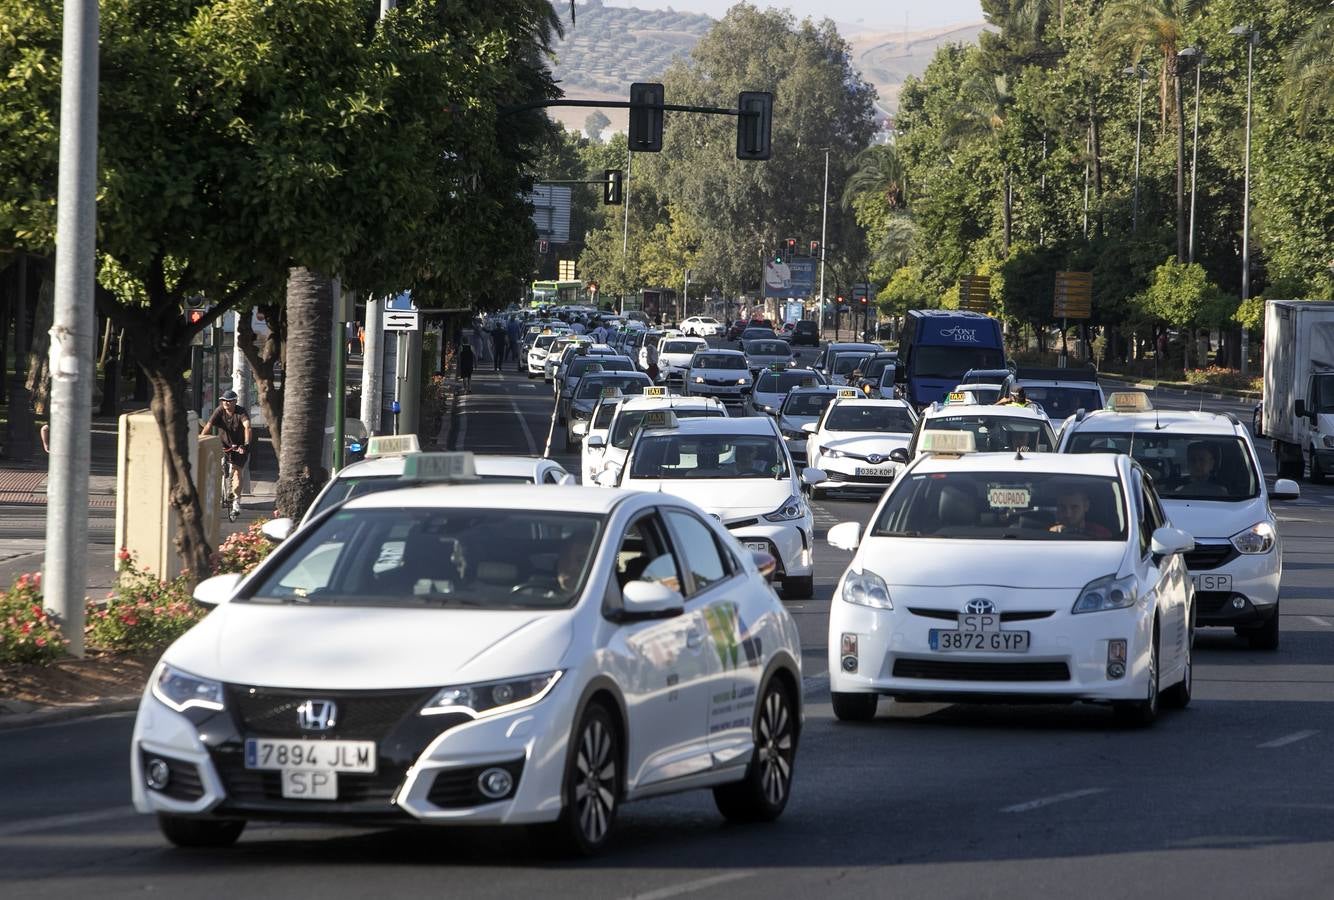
pixel 1013 576
pixel 471 655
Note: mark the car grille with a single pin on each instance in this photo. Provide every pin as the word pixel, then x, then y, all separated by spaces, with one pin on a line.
pixel 1210 556
pixel 361 715
pixel 952 670
pixel 741 523
pixel 952 616
pixel 183 782
pixel 721 382
pixel 457 788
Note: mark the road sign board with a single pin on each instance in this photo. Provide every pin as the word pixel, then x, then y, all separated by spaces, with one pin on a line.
pixel 401 320
pixel 975 293
pixel 1073 296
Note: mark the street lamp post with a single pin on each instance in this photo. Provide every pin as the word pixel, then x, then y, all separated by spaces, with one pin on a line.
pixel 1197 56
pixel 824 222
pixel 1252 38
pixel 1138 71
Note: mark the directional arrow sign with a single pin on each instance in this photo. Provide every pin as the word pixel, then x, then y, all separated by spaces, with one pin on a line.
pixel 401 320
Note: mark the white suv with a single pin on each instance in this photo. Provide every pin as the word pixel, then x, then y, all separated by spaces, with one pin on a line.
pixel 1212 487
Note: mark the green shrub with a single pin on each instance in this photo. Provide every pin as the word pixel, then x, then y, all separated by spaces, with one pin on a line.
pixel 143 612
pixel 28 634
pixel 1216 376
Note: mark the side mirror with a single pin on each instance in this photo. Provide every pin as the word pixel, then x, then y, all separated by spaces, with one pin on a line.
pixel 810 427
pixel 1299 407
pixel 277 530
pixel 1285 489
pixel 596 441
pixel 811 476
pixel 900 455
pixel 767 565
pixel 1168 540
pixel 845 536
pixel 567 479
pixel 217 590
pixel 652 600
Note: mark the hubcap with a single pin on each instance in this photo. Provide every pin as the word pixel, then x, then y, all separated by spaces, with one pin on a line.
pixel 595 782
pixel 775 748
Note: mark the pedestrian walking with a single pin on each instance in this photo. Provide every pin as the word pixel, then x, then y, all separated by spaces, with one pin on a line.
pixel 516 337
pixel 498 340
pixel 467 359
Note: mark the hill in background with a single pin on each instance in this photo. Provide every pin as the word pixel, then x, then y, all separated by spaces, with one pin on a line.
pixel 608 47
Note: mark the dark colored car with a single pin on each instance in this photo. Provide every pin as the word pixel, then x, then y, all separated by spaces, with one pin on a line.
pixel 805 332
pixel 741 325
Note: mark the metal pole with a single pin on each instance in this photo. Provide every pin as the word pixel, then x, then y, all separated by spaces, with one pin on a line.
pixel 65 584
pixel 685 300
pixel 1246 209
pixel 625 232
pixel 372 356
pixel 824 224
pixel 1194 158
pixel 1088 151
pixel 1139 127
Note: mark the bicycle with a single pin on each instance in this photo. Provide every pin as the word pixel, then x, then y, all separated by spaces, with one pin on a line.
pixel 231 505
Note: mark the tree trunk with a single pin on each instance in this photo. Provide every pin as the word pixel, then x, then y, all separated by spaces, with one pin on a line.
pixel 38 381
pixel 301 472
pixel 264 362
pixel 1095 153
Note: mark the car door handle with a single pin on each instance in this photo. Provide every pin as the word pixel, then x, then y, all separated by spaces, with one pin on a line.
pixel 694 637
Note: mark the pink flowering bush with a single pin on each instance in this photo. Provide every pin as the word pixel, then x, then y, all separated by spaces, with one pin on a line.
pixel 1216 376
pixel 28 634
pixel 143 612
pixel 242 551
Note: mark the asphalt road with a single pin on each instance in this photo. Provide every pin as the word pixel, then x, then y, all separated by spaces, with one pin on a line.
pixel 1230 798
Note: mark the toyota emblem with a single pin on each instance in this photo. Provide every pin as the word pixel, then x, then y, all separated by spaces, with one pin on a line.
pixel 979 607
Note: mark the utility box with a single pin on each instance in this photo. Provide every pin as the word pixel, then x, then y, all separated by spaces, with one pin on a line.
pixel 146 523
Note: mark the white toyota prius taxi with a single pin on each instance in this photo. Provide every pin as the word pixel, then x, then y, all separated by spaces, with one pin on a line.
pixel 477 654
pixel 1011 576
pixel 853 440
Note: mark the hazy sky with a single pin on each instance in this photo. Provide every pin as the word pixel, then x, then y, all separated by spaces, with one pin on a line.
pixel 888 13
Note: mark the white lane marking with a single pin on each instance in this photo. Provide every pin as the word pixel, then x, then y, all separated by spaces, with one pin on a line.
pixel 523 423
pixel 1031 805
pixel 48 823
pixel 691 887
pixel 1323 623
pixel 1288 739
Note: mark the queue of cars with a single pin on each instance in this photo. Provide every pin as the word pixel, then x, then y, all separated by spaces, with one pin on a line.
pixel 450 639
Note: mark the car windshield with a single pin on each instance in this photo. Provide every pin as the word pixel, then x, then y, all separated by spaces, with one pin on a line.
pixel 346 488
pixel 432 556
pixel 768 348
pixel 1324 394
pixel 544 341
pixel 681 346
pixel 847 362
pixel 807 405
pixel 868 417
pixel 593 386
pixel 1062 401
pixel 623 433
pixel 717 361
pixel 931 361
pixel 606 412
pixel 804 326
pixel 697 456
pixel 995 434
pixel 782 382
pixel 1183 466
pixel 1033 506
pixel 876 367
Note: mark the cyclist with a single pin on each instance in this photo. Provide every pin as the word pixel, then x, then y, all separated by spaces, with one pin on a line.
pixel 233 425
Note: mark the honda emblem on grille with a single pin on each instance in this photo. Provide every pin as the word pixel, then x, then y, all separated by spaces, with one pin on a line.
pixel 979 607
pixel 317 715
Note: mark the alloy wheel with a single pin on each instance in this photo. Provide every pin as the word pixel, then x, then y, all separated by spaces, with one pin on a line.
pixel 775 747
pixel 595 774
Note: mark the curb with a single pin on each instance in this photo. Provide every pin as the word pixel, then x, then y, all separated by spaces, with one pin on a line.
pixel 68 712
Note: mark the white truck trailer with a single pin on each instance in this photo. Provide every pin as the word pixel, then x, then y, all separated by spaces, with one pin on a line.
pixel 1298 404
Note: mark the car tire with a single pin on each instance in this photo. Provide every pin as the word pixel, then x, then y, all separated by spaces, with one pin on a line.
pixel 1143 713
pixel 1178 695
pixel 1266 636
pixel 592 791
pixel 184 831
pixel 854 707
pixel 763 794
pixel 1318 474
pixel 799 587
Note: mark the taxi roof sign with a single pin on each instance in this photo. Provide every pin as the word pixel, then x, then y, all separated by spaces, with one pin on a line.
pixel 450 466
pixel 847 393
pixel 1129 401
pixel 656 391
pixel 960 398
pixel 391 445
pixel 948 443
pixel 659 418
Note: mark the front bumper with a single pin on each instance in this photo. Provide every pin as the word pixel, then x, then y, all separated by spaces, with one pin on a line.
pixel 736 392
pixel 536 365
pixel 427 768
pixel 1066 660
pixel 790 543
pixel 843 474
pixel 1232 588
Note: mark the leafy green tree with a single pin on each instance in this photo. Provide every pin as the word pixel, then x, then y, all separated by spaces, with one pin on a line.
pixel 1309 87
pixel 595 124
pixel 1181 295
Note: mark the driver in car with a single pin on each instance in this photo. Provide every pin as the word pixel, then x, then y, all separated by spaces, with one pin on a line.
pixel 1201 472
pixel 1072 506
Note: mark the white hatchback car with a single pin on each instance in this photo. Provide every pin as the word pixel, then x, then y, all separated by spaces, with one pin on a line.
pixel 609 453
pixel 853 443
pixel 1209 477
pixel 477 655
pixel 701 326
pixel 998 576
pixel 738 471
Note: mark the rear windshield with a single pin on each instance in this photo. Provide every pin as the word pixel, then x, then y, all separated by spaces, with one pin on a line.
pixel 1183 466
pixel 768 348
pixel 717 361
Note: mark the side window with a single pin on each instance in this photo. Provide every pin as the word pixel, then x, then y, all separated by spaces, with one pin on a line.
pixel 645 555
pixel 699 550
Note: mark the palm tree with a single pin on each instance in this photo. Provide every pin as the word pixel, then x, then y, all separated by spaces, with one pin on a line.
pixel 1136 26
pixel 301 471
pixel 980 115
pixel 878 170
pixel 1309 88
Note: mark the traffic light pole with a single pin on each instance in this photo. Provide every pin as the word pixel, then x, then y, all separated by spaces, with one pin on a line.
pixel 824 224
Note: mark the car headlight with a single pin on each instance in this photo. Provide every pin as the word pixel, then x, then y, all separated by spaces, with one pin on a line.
pixel 699 379
pixel 181 690
pixel 1108 592
pixel 743 381
pixel 791 509
pixel 832 453
pixel 867 589
pixel 491 697
pixel 1259 538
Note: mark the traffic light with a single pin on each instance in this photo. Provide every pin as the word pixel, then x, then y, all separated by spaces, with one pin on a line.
pixel 613 188
pixel 815 249
pixel 790 245
pixel 646 121
pixel 778 256
pixel 754 125
pixel 840 299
